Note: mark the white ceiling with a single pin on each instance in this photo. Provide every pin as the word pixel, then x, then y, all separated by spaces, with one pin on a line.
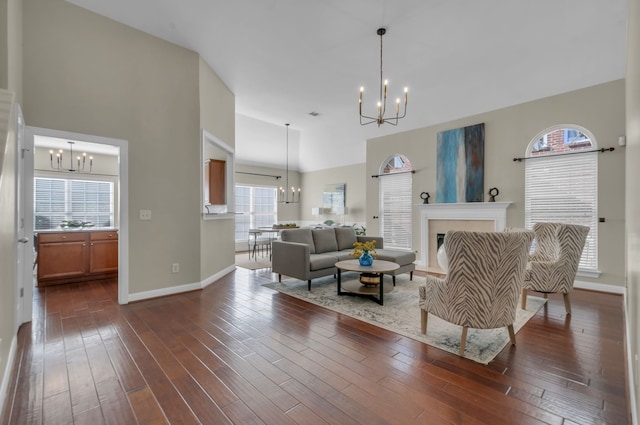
pixel 285 58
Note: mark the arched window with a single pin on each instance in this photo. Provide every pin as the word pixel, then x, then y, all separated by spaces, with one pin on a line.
pixel 395 202
pixel 561 183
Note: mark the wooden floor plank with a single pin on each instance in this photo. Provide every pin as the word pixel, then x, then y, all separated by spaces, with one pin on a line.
pixel 239 353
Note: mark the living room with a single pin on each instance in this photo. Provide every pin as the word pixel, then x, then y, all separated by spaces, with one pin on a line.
pixel 87 74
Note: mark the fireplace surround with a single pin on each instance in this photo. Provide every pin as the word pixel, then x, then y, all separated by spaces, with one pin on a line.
pixel 439 218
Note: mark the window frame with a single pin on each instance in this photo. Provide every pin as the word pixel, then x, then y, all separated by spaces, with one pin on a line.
pixel 68 202
pixel 581 173
pixel 395 206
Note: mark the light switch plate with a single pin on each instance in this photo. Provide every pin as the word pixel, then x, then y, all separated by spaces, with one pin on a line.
pixel 145 214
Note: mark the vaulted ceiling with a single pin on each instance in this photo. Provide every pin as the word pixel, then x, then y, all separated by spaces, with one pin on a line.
pixel 284 59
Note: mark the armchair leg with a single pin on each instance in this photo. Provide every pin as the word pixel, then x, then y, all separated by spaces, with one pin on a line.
pixel 423 321
pixel 567 303
pixel 512 334
pixel 463 340
pixel 523 302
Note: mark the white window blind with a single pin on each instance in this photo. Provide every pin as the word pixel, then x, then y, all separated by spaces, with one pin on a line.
pixel 258 208
pixel 564 189
pixel 395 210
pixel 58 200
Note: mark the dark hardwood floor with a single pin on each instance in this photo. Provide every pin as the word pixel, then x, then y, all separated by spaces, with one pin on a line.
pixel 240 353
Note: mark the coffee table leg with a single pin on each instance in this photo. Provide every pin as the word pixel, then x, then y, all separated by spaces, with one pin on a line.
pixel 381 300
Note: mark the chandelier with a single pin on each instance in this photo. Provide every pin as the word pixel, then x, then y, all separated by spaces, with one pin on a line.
pixel 80 161
pixel 283 194
pixel 382 99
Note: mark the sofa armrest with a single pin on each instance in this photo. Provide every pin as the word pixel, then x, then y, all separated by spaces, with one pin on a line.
pixel 291 259
pixel 378 239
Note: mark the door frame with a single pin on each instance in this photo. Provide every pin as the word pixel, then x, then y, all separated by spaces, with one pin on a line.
pixel 123 200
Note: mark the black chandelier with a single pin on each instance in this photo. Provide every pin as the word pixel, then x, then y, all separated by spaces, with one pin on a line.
pixel 283 195
pixel 382 100
pixel 77 165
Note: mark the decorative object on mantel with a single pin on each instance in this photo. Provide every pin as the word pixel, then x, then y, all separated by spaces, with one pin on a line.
pixel 460 165
pixel 443 261
pixel 364 252
pixel 425 197
pixel 382 100
pixel 493 192
pixel 283 195
pixel 81 161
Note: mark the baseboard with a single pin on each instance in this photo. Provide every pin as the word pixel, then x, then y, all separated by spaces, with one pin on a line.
pixel 7 373
pixel 208 281
pixel 600 287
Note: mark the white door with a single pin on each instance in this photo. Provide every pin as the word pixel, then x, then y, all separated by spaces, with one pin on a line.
pixel 24 223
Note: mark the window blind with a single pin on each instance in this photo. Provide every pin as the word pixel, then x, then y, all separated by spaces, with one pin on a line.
pixel 395 210
pixel 258 206
pixel 564 189
pixel 57 200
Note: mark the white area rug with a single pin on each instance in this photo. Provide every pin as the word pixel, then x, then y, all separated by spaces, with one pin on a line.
pixel 401 314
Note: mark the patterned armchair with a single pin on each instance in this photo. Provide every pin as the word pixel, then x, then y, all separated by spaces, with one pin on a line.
pixel 553 265
pixel 483 282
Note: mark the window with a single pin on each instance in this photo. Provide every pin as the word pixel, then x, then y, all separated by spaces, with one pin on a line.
pixel 564 188
pixel 395 202
pixel 60 200
pixel 258 208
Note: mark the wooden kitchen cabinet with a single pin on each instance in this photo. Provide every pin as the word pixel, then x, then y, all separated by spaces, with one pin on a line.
pixel 217 172
pixel 75 256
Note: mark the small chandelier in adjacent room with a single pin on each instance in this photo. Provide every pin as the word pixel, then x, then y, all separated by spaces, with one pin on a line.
pixel 284 193
pixel 382 100
pixel 82 163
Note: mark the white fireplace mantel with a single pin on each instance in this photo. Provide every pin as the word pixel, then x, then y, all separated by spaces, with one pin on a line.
pixel 490 211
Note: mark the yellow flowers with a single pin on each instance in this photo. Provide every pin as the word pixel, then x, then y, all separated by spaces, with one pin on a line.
pixel 360 248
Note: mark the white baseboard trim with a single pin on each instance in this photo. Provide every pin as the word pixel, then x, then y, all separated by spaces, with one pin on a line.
pixel 6 377
pixel 208 281
pixel 172 290
pixel 600 287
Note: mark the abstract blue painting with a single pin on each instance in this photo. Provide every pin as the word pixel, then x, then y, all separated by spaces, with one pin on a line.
pixel 460 165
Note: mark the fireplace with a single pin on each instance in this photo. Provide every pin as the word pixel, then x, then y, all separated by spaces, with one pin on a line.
pixel 437 219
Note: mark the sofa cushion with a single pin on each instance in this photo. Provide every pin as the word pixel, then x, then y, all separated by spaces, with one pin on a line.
pixel 397 256
pixel 300 236
pixel 322 261
pixel 324 240
pixel 346 237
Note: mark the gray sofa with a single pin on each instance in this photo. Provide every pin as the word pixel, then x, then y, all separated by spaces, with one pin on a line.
pixel 310 253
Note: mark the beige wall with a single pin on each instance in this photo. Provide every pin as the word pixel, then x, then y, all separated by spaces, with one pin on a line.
pixel 11 47
pixel 632 193
pixel 354 176
pixel 217 117
pixel 87 74
pixel 508 132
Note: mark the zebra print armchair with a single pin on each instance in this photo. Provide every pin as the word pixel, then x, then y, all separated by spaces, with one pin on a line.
pixel 483 283
pixel 553 265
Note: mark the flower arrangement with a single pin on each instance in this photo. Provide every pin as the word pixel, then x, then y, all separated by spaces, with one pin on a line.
pixel 360 248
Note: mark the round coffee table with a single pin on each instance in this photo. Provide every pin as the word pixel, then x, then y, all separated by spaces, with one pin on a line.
pixel 379 267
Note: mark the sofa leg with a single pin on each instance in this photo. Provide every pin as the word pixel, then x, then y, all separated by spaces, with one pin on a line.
pixel 309 284
pixel 279 277
pixel 411 275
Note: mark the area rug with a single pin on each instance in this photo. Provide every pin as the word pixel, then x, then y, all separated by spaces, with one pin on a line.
pixel 253 264
pixel 401 314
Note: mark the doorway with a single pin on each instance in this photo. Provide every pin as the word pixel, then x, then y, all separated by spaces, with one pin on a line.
pixel 42 160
